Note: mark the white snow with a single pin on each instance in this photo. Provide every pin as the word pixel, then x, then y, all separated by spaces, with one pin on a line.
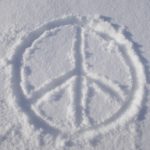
pixel 74 75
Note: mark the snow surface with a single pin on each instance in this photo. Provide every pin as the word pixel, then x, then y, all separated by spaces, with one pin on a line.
pixel 74 75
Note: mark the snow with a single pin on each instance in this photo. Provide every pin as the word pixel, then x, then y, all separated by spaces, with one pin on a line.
pixel 74 75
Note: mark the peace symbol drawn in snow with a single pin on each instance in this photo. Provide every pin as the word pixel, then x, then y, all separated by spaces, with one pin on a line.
pixel 80 77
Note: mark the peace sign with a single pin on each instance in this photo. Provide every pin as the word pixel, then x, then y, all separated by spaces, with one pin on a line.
pixel 78 79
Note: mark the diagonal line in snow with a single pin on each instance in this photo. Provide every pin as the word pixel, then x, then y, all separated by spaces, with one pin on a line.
pixel 50 86
pixel 108 87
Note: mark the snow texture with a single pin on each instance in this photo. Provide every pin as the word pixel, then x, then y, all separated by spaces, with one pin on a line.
pixel 74 82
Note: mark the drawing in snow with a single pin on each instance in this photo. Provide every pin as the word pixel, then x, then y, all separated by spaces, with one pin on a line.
pixel 75 77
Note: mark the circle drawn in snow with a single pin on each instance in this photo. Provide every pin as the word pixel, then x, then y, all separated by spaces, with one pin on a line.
pixel 80 78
